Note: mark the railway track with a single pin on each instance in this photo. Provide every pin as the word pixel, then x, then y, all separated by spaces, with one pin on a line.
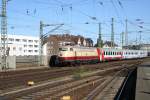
pixel 97 93
pixel 11 80
pixel 56 90
pixel 19 80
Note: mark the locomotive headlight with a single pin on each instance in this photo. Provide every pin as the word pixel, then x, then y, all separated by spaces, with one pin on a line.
pixel 60 54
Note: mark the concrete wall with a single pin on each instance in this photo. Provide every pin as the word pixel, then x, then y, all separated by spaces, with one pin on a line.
pixel 45 60
pixel 10 62
pixel 27 61
pixel 14 62
pixel 31 61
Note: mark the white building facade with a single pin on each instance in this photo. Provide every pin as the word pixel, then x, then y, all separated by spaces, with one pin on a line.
pixel 21 45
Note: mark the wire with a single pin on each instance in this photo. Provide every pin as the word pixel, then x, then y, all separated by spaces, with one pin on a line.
pixel 117 13
pixel 122 7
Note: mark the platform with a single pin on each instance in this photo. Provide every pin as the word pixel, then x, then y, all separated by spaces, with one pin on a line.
pixel 143 82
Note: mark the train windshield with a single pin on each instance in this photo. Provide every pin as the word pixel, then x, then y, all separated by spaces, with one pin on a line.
pixel 63 49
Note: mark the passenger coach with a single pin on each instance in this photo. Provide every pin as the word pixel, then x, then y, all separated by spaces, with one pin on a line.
pixel 77 55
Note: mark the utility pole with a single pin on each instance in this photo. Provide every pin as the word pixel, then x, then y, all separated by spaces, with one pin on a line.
pixel 122 34
pixel 42 37
pixel 112 33
pixel 100 36
pixel 140 43
pixel 3 35
pixel 40 43
pixel 126 33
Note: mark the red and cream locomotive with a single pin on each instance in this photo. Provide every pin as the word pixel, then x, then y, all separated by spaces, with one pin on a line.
pixel 77 55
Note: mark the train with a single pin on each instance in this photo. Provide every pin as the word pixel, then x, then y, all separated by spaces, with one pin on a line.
pixel 72 55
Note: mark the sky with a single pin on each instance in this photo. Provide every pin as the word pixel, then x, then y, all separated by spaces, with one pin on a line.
pixel 24 16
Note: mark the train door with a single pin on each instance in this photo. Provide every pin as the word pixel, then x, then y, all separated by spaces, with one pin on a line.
pixel 98 54
pixel 101 55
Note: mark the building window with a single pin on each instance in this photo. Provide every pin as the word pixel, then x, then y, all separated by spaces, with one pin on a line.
pixel 25 45
pixel 35 50
pixel 17 40
pixel 24 40
pixel 30 50
pixel 11 39
pixel 30 46
pixel 30 40
pixel 36 41
pixel 35 46
pixel 3 39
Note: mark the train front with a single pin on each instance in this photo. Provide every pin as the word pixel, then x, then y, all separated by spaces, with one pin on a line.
pixel 63 55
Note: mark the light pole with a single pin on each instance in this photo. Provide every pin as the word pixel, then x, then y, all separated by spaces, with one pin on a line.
pixel 99 40
pixel 140 39
pixel 42 37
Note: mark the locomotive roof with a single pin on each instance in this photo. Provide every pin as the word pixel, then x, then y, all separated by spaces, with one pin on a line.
pixel 81 47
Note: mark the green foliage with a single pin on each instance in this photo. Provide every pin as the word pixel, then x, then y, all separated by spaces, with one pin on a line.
pixel 78 73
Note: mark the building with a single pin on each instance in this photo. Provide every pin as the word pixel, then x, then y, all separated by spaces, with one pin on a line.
pixel 145 47
pixel 54 41
pixel 107 44
pixel 20 45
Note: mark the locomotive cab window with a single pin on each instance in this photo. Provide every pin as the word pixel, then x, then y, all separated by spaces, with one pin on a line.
pixel 63 49
pixel 71 49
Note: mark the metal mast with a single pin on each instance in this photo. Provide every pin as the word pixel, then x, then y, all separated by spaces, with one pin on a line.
pixel 126 33
pixel 122 34
pixel 3 34
pixel 100 36
pixel 112 33
pixel 40 43
pixel 42 37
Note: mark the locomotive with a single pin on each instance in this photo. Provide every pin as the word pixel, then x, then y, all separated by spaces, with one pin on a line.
pixel 78 55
